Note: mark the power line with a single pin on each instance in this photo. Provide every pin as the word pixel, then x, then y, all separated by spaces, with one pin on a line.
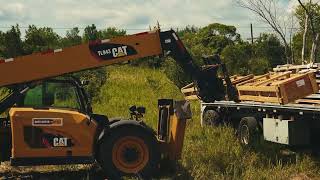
pixel 67 28
pixel 138 29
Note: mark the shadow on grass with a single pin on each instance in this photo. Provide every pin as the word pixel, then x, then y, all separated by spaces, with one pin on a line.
pixel 274 154
pixel 94 173
pixel 173 171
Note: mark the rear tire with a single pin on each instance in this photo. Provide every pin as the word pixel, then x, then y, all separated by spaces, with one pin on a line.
pixel 129 151
pixel 248 131
pixel 210 118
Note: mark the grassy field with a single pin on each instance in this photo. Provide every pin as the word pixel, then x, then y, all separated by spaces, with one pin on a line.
pixel 209 153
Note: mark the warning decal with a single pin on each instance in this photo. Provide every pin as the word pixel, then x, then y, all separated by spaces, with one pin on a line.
pixel 47 122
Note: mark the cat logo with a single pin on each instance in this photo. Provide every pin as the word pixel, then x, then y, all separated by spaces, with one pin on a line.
pixel 120 51
pixel 116 52
pixel 109 51
pixel 60 142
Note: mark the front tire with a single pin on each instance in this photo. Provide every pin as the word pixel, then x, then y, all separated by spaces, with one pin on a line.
pixel 248 131
pixel 129 151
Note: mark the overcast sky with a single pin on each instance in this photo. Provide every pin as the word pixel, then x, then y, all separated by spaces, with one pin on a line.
pixel 132 15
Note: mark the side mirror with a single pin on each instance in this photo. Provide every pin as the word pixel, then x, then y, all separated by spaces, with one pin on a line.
pixel 141 110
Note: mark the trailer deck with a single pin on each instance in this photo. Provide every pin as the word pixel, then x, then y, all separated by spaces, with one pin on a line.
pixel 266 107
pixel 290 124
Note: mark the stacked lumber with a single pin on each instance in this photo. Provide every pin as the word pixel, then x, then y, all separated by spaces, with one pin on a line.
pixel 282 88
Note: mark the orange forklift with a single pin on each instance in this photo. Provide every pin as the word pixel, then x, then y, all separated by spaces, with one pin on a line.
pixel 49 120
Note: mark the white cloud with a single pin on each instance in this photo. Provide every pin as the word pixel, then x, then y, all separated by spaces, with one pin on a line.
pixel 127 14
pixel 12 11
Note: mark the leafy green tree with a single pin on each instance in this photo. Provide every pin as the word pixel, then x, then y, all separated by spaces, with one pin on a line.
pixel 111 32
pixel 40 39
pixel 218 35
pixel 236 58
pixel 269 47
pixel 244 58
pixel 187 29
pixel 98 76
pixel 209 40
pixel 2 47
pixel 72 38
pixel 90 33
pixel 10 43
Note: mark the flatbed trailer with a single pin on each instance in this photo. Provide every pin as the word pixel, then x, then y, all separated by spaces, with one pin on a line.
pixel 290 124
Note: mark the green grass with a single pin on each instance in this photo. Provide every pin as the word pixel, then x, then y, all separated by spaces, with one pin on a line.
pixel 128 86
pixel 209 153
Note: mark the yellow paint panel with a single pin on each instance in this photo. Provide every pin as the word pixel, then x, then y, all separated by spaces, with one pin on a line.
pixel 74 126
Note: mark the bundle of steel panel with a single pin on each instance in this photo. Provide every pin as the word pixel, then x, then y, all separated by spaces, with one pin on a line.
pixel 279 88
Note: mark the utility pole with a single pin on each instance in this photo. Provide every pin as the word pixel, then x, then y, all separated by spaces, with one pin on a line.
pixel 251 33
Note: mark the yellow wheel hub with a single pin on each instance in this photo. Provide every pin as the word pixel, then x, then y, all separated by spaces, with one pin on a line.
pixel 130 154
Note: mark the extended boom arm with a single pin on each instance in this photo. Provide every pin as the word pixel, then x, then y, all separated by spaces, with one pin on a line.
pixel 99 53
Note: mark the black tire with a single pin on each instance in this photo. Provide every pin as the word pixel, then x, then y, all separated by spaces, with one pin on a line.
pixel 120 158
pixel 248 131
pixel 210 118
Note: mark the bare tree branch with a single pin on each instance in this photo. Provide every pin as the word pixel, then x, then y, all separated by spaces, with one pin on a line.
pixel 267 11
pixel 310 18
pixel 315 35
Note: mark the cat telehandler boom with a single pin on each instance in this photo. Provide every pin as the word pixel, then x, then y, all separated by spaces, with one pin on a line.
pixel 49 120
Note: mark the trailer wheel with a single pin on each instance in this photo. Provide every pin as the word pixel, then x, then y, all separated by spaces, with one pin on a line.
pixel 210 118
pixel 129 151
pixel 247 131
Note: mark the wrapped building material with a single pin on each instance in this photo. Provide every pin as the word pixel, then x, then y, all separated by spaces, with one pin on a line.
pixel 282 88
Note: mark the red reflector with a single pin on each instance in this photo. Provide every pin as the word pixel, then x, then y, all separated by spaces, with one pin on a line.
pixel 95 42
pixel 181 46
pixel 49 51
pixel 143 33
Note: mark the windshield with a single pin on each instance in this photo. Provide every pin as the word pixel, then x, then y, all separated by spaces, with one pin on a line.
pixel 53 94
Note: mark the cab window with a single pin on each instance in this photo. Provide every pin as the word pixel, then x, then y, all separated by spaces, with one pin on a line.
pixel 53 94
